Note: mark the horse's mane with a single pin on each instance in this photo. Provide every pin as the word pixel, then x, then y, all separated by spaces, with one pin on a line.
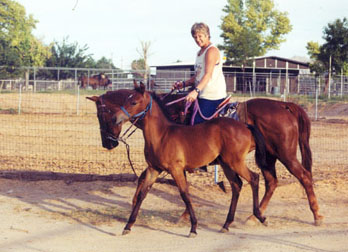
pixel 162 105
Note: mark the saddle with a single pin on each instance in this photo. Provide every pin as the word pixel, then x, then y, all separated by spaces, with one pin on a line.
pixel 235 110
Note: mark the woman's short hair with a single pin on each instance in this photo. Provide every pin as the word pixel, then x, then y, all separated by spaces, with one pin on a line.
pixel 200 27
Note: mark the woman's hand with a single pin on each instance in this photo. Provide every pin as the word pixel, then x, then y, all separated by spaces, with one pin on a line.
pixel 178 85
pixel 192 96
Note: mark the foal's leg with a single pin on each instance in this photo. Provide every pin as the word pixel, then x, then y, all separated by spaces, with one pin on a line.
pixel 305 178
pixel 149 177
pixel 141 180
pixel 253 179
pixel 182 185
pixel 185 215
pixel 236 185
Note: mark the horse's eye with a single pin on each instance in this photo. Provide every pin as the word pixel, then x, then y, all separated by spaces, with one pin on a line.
pixel 113 119
pixel 133 103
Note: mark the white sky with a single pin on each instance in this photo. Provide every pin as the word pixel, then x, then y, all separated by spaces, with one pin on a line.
pixel 114 28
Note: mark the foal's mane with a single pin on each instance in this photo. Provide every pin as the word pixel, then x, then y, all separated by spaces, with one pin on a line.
pixel 161 104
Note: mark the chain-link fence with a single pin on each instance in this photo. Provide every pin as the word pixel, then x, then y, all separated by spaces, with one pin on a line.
pixel 49 125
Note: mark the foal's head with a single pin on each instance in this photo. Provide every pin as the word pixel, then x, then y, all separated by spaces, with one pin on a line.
pixel 107 106
pixel 135 106
pixel 117 107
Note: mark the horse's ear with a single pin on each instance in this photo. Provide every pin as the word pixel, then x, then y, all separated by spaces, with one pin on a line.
pixel 142 87
pixel 139 88
pixel 93 98
pixel 135 84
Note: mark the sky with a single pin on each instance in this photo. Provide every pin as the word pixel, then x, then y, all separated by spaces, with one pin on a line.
pixel 114 28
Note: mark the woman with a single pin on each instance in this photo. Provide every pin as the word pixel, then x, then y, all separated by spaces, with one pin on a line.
pixel 208 82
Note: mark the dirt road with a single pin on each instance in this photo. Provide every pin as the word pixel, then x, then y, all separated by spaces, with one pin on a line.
pixel 90 216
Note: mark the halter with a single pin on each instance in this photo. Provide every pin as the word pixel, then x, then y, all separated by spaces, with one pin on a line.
pixel 141 114
pixel 122 139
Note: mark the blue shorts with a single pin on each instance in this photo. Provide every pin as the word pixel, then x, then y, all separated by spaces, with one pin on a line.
pixel 208 108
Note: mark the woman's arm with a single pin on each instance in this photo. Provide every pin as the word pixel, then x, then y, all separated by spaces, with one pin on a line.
pixel 212 57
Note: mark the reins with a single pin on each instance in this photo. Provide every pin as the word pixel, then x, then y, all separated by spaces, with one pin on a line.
pixel 196 109
pixel 123 140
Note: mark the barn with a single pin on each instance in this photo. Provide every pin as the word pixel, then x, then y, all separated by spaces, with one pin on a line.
pixel 269 74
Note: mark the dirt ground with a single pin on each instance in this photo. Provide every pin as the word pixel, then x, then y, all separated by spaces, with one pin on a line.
pixel 90 216
pixel 77 212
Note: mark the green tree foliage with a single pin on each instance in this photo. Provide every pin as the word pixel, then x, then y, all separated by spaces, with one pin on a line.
pixel 336 46
pixel 313 50
pixel 18 47
pixel 251 28
pixel 105 63
pixel 68 55
pixel 138 66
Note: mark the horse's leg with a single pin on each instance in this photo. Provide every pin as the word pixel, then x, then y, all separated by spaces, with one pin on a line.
pixel 236 185
pixel 271 182
pixel 149 177
pixel 182 185
pixel 305 178
pixel 185 215
pixel 139 187
pixel 253 179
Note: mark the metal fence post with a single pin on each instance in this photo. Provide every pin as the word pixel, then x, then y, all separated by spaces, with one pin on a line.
pixel 341 83
pixel 316 98
pixel 78 100
pixel 216 173
pixel 20 99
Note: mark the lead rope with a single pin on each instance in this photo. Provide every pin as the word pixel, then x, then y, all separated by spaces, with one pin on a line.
pixel 123 140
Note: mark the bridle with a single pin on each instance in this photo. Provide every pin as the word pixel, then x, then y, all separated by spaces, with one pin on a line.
pixel 133 119
pixel 141 114
pixel 102 107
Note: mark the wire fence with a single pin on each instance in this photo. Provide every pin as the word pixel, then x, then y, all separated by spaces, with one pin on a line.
pixel 54 128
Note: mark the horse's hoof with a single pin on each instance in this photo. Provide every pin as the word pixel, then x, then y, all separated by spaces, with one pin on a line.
pixel 319 222
pixel 265 222
pixel 251 220
pixel 192 235
pixel 224 230
pixel 126 231
pixel 182 219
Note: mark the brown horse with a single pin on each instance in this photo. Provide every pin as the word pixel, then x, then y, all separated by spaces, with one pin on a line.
pixel 284 125
pixel 178 148
pixel 95 81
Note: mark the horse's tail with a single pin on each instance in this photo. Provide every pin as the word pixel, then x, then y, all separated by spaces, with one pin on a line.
pixel 260 149
pixel 304 128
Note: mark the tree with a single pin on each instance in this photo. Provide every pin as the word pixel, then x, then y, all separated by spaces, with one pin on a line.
pixel 65 54
pixel 105 63
pixel 313 50
pixel 145 52
pixel 18 47
pixel 138 66
pixel 141 65
pixel 251 28
pixel 336 47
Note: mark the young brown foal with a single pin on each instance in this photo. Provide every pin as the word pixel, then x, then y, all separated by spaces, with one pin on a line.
pixel 176 148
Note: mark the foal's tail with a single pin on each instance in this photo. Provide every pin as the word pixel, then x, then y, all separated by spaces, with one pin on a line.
pixel 260 149
pixel 304 128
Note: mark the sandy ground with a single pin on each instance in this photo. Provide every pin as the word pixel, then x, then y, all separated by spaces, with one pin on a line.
pixel 90 216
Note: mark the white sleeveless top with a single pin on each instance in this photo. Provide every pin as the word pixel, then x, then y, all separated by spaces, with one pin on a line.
pixel 216 87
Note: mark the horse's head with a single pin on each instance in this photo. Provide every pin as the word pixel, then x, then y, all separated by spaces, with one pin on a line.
pixel 108 105
pixel 135 106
